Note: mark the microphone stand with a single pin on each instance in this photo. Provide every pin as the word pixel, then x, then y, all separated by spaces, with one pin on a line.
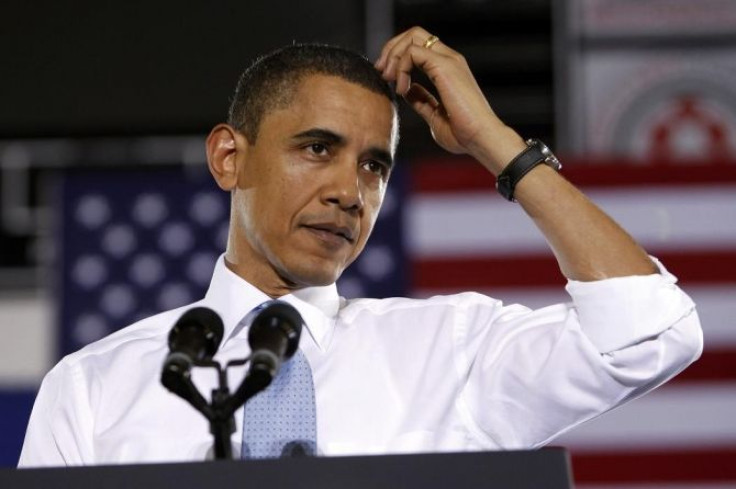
pixel 275 328
pixel 220 411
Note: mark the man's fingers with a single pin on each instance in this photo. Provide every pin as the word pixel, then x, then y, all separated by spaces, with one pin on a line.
pixel 414 56
pixel 387 48
pixel 422 101
pixel 397 46
pixel 394 54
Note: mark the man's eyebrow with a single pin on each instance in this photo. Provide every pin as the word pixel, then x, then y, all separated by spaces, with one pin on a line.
pixel 321 134
pixel 376 153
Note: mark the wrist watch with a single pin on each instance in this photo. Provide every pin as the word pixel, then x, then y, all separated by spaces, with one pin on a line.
pixel 535 154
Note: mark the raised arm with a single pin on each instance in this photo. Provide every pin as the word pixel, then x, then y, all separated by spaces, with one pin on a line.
pixel 587 243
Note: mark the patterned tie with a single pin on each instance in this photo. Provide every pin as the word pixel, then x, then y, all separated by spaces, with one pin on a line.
pixel 281 421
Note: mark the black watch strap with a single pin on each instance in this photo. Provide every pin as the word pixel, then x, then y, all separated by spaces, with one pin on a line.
pixel 535 154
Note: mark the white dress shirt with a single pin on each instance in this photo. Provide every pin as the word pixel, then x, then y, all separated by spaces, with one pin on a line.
pixel 449 373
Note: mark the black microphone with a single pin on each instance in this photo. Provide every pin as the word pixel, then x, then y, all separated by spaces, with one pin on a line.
pixel 275 327
pixel 194 338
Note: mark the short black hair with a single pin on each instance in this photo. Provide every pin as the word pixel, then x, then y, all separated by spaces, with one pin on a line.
pixel 270 82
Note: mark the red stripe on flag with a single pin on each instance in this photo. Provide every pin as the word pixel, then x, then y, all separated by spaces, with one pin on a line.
pixel 464 273
pixel 679 466
pixel 474 272
pixel 714 365
pixel 464 174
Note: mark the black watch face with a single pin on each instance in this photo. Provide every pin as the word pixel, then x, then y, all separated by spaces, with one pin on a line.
pixel 549 156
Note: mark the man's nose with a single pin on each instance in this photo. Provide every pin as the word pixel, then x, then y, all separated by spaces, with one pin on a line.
pixel 344 188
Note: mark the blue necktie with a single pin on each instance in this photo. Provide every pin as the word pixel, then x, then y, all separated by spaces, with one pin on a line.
pixel 282 420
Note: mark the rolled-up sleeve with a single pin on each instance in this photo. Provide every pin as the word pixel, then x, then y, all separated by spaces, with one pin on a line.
pixel 620 312
pixel 531 375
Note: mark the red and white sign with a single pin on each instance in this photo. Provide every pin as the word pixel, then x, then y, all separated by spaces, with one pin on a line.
pixel 647 79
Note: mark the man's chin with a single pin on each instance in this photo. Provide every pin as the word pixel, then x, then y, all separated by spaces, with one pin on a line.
pixel 303 278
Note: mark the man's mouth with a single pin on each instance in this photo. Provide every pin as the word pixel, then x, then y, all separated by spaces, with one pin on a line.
pixel 343 232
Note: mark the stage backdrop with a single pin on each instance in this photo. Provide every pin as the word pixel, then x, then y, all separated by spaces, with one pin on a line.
pixel 134 242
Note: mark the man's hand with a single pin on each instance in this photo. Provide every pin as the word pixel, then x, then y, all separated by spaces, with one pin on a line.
pixel 461 121
pixel 588 244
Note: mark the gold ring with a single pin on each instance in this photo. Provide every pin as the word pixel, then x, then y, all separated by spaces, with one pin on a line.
pixel 430 41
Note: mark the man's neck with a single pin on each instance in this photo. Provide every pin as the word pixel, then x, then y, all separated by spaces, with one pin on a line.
pixel 274 287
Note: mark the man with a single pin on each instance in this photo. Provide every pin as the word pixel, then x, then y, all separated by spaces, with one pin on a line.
pixel 306 155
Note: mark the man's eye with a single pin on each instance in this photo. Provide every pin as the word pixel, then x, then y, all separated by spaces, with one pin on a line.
pixel 376 167
pixel 318 148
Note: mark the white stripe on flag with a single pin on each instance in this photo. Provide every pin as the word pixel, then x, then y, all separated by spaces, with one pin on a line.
pixel 673 417
pixel 661 218
pixel 717 310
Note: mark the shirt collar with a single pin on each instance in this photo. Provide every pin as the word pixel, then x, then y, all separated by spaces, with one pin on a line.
pixel 233 297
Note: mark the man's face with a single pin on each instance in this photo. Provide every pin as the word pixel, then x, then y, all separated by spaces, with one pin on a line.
pixel 310 188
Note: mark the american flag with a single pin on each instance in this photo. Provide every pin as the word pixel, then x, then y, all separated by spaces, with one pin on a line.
pixel 683 435
pixel 137 241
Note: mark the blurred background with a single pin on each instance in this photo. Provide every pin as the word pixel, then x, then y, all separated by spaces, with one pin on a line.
pixel 107 213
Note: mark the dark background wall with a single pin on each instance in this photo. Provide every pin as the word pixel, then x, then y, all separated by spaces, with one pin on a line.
pixel 81 71
pixel 80 68
pixel 87 68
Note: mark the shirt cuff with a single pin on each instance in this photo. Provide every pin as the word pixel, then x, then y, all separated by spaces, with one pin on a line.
pixel 619 312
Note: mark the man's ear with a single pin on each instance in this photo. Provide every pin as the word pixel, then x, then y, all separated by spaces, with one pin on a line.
pixel 224 144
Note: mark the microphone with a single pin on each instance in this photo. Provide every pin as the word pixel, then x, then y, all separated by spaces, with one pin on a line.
pixel 194 338
pixel 275 328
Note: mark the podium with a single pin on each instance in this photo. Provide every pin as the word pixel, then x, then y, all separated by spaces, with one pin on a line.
pixel 547 468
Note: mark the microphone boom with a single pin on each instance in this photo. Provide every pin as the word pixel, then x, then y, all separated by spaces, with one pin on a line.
pixel 195 338
pixel 273 336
